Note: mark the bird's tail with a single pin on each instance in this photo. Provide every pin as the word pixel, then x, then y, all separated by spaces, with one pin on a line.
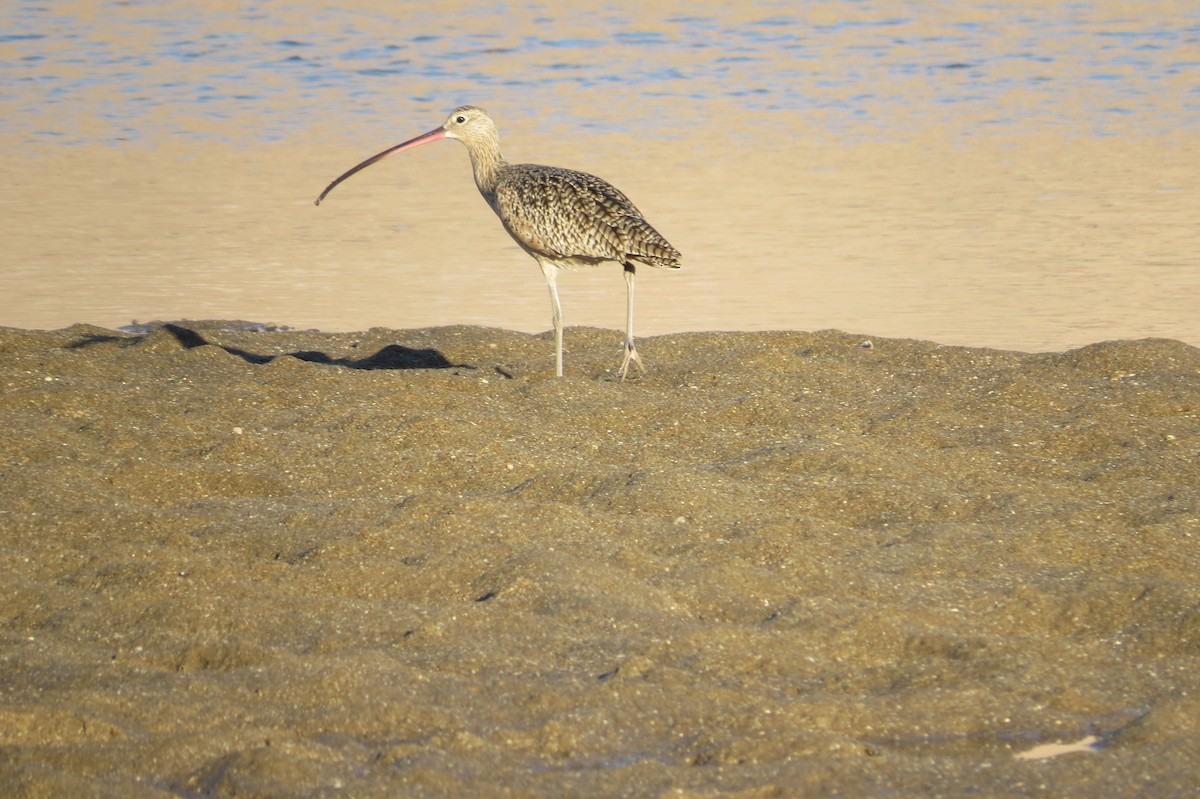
pixel 650 247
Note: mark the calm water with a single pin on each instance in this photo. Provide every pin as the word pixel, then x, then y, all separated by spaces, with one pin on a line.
pixel 1003 174
pixel 133 71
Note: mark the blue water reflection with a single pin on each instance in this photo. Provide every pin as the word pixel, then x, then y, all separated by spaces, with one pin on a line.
pixel 147 68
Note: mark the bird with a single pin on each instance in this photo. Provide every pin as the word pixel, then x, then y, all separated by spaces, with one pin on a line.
pixel 562 217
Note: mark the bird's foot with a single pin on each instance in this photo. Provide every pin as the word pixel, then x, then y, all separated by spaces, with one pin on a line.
pixel 631 356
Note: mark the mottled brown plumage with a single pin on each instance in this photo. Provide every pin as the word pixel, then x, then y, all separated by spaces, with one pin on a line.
pixel 561 217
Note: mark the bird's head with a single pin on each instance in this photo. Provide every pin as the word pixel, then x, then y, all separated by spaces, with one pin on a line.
pixel 468 123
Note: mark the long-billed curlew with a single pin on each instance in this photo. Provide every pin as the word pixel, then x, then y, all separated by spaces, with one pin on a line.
pixel 561 217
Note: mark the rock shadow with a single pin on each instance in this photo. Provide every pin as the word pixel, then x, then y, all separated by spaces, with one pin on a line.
pixel 392 356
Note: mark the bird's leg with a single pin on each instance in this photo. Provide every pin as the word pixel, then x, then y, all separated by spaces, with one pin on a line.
pixel 631 355
pixel 551 273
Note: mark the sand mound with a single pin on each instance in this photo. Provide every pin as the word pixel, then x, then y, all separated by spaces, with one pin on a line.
pixel 242 562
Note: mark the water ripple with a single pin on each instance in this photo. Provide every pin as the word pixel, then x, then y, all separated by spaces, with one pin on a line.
pixel 872 71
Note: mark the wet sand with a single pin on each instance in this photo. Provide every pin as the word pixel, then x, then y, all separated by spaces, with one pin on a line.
pixel 1034 242
pixel 412 563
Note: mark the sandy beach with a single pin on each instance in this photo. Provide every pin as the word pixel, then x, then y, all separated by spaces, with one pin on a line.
pixel 244 562
pixel 927 524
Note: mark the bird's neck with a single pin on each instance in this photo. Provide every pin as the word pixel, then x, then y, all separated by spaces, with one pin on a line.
pixel 486 163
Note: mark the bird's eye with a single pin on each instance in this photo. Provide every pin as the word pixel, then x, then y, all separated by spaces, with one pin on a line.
pixel 460 119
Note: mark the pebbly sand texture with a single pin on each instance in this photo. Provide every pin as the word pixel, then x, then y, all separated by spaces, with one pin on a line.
pixel 412 563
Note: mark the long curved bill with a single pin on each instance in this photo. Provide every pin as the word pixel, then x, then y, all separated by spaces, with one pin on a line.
pixel 424 138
